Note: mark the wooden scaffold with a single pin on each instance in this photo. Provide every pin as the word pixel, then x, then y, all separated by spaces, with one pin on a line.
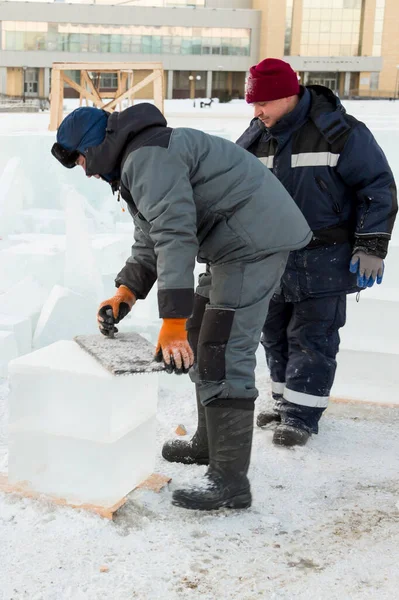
pixel 89 90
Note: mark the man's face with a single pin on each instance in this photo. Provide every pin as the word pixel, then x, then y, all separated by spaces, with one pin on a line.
pixel 271 112
pixel 81 161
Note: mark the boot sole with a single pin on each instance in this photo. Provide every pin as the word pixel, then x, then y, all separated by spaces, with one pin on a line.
pixel 285 442
pixel 188 461
pixel 240 501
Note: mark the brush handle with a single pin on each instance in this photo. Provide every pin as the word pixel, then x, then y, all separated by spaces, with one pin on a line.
pixel 110 314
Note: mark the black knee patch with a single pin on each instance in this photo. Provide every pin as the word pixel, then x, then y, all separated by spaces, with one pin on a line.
pixel 241 403
pixel 214 335
pixel 193 324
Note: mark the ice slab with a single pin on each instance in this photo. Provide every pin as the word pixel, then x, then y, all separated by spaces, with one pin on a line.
pixel 45 262
pixel 64 315
pixel 81 272
pixel 111 251
pixel 8 350
pixel 25 299
pixel 21 328
pixel 77 431
pixel 42 221
pixel 62 390
pixel 371 323
pixel 391 273
pixel 367 376
pixel 83 471
pixel 10 202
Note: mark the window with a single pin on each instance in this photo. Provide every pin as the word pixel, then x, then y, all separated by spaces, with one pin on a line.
pixel 131 39
pixel 330 27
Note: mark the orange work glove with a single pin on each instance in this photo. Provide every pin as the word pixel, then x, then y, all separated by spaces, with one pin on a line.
pixel 113 310
pixel 173 347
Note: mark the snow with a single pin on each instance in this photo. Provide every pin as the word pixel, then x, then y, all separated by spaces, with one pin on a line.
pixel 324 524
pixel 324 520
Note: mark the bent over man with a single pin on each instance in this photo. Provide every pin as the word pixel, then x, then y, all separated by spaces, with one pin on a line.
pixel 194 196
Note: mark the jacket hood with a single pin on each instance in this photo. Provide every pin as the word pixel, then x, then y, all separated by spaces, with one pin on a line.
pixel 122 127
pixel 324 100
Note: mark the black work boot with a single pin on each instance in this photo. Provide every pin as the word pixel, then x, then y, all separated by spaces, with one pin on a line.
pixel 286 435
pixel 194 451
pixel 271 414
pixel 298 423
pixel 225 484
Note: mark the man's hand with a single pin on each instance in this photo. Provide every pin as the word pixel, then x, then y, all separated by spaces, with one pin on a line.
pixel 173 347
pixel 113 310
pixel 368 268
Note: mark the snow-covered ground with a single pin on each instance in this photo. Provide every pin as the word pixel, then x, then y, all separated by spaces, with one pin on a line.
pixel 325 518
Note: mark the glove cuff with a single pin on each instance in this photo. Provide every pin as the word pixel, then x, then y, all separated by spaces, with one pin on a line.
pixel 176 324
pixel 371 244
pixel 125 295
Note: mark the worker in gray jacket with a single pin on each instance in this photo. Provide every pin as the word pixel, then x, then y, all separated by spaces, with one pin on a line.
pixel 193 197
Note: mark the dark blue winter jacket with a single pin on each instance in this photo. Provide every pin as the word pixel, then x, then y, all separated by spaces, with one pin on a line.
pixel 339 177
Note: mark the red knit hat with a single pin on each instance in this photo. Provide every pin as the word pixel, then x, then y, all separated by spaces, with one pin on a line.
pixel 271 79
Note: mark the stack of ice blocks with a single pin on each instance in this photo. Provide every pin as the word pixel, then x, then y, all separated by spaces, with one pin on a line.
pixel 77 431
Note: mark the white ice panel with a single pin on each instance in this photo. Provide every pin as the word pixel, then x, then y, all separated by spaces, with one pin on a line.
pixel 41 220
pixel 8 350
pixel 11 202
pixel 25 299
pixel 45 263
pixel 21 327
pixel 83 471
pixel 111 251
pixel 367 376
pixel 62 390
pixel 81 272
pixel 371 324
pixel 64 315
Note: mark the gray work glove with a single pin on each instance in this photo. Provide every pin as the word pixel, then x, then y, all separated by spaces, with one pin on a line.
pixel 367 267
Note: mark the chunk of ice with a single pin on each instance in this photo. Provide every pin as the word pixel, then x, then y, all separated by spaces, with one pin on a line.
pixel 76 430
pixel 44 261
pixel 81 273
pixel 8 350
pixel 64 315
pixel 25 299
pixel 21 327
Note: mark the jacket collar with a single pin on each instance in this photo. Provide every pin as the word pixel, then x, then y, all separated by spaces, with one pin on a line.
pixel 296 118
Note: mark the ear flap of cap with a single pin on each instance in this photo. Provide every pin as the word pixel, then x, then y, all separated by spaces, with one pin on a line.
pixel 66 157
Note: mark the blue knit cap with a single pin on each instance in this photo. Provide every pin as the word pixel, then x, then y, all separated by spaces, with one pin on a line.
pixel 83 128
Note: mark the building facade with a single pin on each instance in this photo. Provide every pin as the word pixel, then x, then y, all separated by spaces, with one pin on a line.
pixel 349 45
pixel 206 46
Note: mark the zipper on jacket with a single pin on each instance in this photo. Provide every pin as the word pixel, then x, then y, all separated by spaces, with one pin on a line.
pixel 367 201
pixel 321 184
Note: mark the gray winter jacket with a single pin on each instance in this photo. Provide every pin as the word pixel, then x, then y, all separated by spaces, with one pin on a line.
pixel 192 196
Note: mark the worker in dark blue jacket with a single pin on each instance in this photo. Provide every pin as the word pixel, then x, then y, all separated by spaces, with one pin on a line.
pixel 339 177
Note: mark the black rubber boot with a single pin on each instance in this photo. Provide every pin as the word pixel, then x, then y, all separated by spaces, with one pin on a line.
pixel 194 451
pixel 225 484
pixel 271 414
